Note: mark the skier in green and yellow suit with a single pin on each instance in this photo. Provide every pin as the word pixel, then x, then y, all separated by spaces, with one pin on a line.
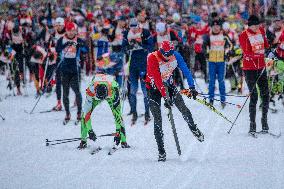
pixel 102 87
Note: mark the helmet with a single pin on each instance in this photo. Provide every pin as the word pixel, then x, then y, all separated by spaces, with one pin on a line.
pixel 167 48
pixel 101 91
pixel 160 27
pixel 71 26
pixel 59 21
pixel 176 17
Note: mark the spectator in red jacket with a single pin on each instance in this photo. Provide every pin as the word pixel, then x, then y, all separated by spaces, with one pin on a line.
pixel 253 43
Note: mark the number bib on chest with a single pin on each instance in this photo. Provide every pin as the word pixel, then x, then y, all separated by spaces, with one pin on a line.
pixel 256 42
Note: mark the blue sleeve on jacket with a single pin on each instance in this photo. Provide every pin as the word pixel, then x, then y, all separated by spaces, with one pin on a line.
pixel 186 72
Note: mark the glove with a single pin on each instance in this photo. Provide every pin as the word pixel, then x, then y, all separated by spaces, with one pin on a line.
pixel 117 138
pixel 92 135
pixel 194 93
pixel 168 103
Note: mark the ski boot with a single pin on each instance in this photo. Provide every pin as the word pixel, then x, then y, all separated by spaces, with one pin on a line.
pixel 211 102
pixel 252 130
pixel 58 107
pixel 67 118
pixel 265 127
pixel 82 145
pixel 134 118
pixel 19 93
pixel 92 135
pixel 147 118
pixel 78 118
pixel 223 104
pixel 162 157
pixel 198 134
pixel 124 145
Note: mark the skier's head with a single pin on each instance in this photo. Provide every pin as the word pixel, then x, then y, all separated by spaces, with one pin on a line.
pixel 59 24
pixel 101 91
pixel 167 49
pixel 216 26
pixel 161 28
pixel 71 29
pixel 253 23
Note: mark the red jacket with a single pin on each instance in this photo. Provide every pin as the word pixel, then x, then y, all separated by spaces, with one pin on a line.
pixel 195 36
pixel 280 46
pixel 153 77
pixel 253 55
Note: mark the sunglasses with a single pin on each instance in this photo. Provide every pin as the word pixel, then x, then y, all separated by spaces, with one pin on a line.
pixel 167 53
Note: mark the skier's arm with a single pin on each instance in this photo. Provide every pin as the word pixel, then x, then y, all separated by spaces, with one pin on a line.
pixel 153 73
pixel 182 65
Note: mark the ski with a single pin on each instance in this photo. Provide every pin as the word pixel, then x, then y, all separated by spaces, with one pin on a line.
pixel 65 122
pixel 96 150
pixel 113 149
pixel 254 135
pixel 270 133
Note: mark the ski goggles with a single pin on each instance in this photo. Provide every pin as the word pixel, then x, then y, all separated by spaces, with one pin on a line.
pixel 167 53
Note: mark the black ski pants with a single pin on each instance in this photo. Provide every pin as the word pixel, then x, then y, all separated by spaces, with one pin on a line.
pixel 155 106
pixel 71 80
pixel 262 83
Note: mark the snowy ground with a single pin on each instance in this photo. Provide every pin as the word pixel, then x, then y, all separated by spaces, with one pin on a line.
pixel 233 161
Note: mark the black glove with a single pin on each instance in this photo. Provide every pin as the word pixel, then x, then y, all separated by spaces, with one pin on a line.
pixel 194 93
pixel 168 103
pixel 92 135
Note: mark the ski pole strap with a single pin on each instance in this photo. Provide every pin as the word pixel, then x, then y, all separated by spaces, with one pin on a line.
pixel 186 92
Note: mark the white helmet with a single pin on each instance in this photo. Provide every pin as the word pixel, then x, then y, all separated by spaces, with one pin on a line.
pixel 160 27
pixel 226 26
pixel 59 21
pixel 176 17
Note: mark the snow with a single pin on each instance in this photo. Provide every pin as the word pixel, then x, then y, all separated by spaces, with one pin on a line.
pixel 222 161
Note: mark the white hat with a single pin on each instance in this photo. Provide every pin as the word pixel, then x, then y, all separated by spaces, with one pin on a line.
pixel 176 17
pixel 226 26
pixel 160 27
pixel 59 21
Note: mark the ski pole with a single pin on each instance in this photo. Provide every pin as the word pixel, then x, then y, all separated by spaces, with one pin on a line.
pixel 3 118
pixel 171 119
pixel 230 103
pixel 232 95
pixel 245 101
pixel 62 141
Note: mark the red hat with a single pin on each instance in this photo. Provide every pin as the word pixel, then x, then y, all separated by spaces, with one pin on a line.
pixel 90 16
pixel 70 26
pixel 167 48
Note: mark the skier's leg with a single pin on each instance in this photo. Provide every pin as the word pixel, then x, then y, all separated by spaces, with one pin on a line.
pixel 186 114
pixel 86 122
pixel 221 80
pixel 264 93
pixel 66 86
pixel 155 107
pixel 251 77
pixel 75 85
pixel 58 84
pixel 133 79
pixel 212 78
pixel 146 101
pixel 114 103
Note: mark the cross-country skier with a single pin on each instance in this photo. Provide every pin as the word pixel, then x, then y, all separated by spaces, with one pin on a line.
pixel 70 46
pixel 253 43
pixel 102 87
pixel 160 67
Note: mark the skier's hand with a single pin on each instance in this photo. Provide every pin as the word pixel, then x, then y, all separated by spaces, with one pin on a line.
pixel 194 93
pixel 168 103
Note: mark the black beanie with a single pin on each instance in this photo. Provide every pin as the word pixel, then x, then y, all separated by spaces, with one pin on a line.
pixel 253 20
pixel 101 91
